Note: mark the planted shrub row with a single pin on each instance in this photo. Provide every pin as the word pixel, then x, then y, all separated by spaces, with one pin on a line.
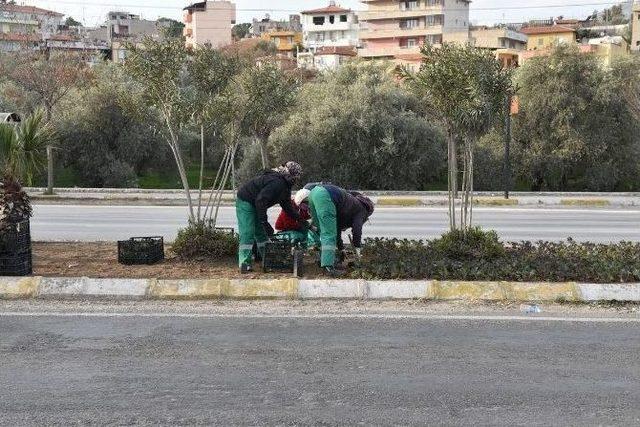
pixel 201 241
pixel 481 256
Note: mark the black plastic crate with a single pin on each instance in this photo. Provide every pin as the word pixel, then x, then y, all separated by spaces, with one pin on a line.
pixel 16 265
pixel 15 238
pixel 141 250
pixel 283 256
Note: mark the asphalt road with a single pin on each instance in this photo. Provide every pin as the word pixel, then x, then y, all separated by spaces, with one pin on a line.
pixel 291 369
pixel 88 223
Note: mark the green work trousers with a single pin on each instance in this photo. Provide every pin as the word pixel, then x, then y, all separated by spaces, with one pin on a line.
pixel 250 231
pixel 324 216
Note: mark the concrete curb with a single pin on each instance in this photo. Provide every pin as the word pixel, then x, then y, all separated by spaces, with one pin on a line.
pixel 83 287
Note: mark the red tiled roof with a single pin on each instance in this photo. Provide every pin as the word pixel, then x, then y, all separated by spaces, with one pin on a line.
pixel 328 9
pixel 28 9
pixel 552 29
pixel 337 50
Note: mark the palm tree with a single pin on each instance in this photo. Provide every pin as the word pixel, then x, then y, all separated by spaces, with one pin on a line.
pixel 23 147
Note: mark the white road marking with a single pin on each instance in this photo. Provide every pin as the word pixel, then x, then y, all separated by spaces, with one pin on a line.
pixel 381 316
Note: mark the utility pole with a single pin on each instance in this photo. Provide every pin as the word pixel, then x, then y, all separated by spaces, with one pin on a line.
pixel 47 56
pixel 507 147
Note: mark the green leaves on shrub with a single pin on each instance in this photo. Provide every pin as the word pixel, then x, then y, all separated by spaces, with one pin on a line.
pixel 474 244
pixel 482 257
pixel 200 241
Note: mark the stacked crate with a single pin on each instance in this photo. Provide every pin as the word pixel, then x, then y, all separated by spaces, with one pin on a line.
pixel 15 249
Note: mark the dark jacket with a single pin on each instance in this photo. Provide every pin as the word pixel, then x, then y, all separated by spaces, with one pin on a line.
pixel 266 190
pixel 351 213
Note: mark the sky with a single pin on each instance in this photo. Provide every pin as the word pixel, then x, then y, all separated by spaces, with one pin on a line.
pixel 93 12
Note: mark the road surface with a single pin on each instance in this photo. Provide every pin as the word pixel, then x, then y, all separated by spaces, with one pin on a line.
pixel 291 368
pixel 88 223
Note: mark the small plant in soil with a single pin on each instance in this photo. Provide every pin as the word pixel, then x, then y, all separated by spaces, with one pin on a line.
pixel 201 241
pixel 15 205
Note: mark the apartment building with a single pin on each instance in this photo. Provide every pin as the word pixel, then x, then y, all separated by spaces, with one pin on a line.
pixel 17 19
pixel 635 27
pixel 396 29
pixel 506 43
pixel 331 26
pixel 121 28
pixel 24 27
pixel 209 22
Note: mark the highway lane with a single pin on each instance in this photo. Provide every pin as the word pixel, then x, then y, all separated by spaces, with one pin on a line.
pixel 115 368
pixel 89 223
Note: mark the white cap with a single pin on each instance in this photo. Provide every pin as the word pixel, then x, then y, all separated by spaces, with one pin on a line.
pixel 301 196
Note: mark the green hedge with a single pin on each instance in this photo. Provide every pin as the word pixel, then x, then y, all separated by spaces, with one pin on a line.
pixel 481 256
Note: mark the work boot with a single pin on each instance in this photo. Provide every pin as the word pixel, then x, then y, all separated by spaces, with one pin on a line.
pixel 333 272
pixel 246 268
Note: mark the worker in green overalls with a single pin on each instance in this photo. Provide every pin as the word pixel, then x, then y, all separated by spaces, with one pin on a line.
pixel 334 210
pixel 254 199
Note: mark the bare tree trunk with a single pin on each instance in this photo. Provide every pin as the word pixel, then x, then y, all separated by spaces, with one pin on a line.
pixel 451 182
pixel 175 149
pixel 264 153
pixel 201 178
pixel 454 165
pixel 471 173
pixel 214 187
pixel 224 182
pixel 463 202
pixel 49 114
pixel 49 191
pixel 466 208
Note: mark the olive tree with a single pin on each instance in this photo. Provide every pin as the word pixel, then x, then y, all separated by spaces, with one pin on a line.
pixel 159 67
pixel 466 89
pixel 358 127
pixel 46 81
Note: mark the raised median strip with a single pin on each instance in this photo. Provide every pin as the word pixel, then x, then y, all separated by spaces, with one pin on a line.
pixel 291 288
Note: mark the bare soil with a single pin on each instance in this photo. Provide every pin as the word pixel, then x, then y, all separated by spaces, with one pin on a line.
pixel 100 260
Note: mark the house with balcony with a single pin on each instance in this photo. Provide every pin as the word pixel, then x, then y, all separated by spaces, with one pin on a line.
pixel 209 22
pixel 397 29
pixel 505 42
pixel 286 42
pixel 548 36
pixel 331 26
pixel 24 27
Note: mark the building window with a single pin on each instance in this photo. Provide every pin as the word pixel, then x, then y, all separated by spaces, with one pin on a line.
pixel 432 20
pixel 332 19
pixel 318 20
pixel 409 5
pixel 409 23
pixel 343 18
